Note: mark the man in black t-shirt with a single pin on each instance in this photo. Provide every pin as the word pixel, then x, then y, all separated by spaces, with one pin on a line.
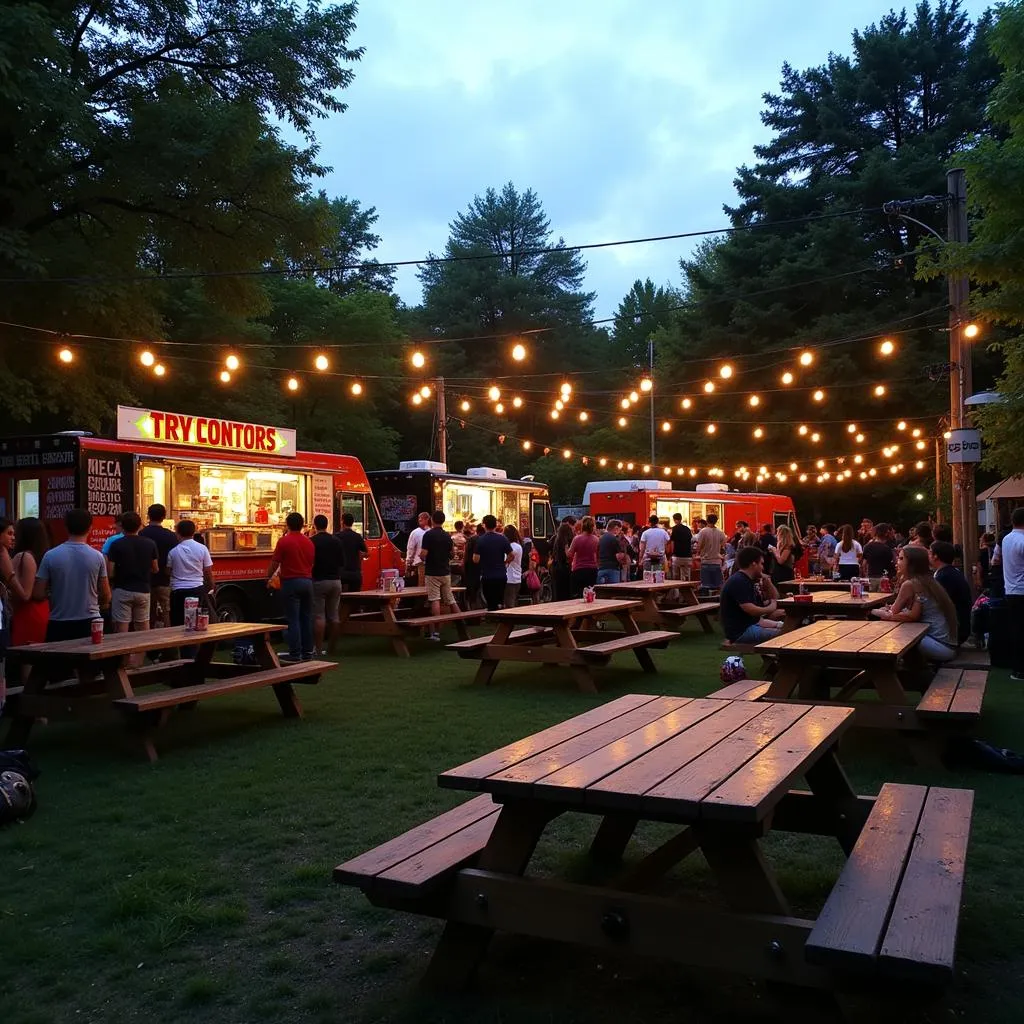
pixel 436 550
pixel 682 548
pixel 611 555
pixel 743 610
pixel 353 552
pixel 130 565
pixel 327 557
pixel 878 554
pixel 492 553
pixel 160 582
pixel 941 555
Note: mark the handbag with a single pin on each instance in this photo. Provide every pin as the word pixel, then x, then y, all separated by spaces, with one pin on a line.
pixel 533 581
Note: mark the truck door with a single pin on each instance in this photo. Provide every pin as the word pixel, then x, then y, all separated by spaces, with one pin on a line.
pixel 361 507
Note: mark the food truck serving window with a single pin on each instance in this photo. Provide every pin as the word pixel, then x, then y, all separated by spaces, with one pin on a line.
pixel 237 508
pixel 468 502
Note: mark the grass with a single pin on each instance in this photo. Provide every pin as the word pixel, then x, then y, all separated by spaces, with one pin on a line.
pixel 199 889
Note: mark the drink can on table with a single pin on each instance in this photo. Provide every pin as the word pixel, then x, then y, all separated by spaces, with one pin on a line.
pixel 191 612
pixel 96 631
pixel 202 621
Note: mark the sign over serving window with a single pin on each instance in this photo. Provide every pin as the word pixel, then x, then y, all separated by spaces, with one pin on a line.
pixel 205 433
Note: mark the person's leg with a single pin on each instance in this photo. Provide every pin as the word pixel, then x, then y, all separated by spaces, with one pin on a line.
pixel 756 634
pixel 140 623
pixel 493 591
pixel 319 613
pixel 448 597
pixel 305 592
pixel 607 576
pixel 934 650
pixel 575 586
pixel 292 614
pixel 121 610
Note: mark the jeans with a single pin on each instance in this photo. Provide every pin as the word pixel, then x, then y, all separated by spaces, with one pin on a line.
pixel 1015 607
pixel 493 592
pixel 609 576
pixel 298 610
pixel 756 634
pixel 936 650
pixel 711 575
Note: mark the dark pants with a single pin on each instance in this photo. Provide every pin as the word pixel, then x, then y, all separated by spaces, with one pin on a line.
pixel 494 593
pixel 848 572
pixel 298 610
pixel 351 581
pixel 580 578
pixel 178 613
pixel 560 582
pixel 68 629
pixel 1015 606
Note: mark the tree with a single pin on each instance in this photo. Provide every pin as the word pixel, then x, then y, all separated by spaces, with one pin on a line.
pixel 641 312
pixel 994 256
pixel 139 138
pixel 813 259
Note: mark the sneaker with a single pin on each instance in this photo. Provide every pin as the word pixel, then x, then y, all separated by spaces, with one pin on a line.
pixel 289 659
pixel 1016 678
pixel 436 637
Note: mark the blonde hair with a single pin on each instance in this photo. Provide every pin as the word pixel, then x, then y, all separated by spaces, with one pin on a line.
pixel 784 537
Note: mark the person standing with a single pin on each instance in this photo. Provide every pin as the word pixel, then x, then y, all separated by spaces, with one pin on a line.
pixel 848 554
pixel 514 569
pixel 354 553
pixel 878 556
pixel 31 542
pixel 115 536
pixel 293 558
pixel 785 554
pixel 583 558
pixel 160 584
pixel 1012 557
pixel 75 577
pixel 682 548
pixel 492 553
pixel 436 551
pixel 611 554
pixel 413 558
pixel 470 570
pixel 328 555
pixel 561 565
pixel 654 544
pixel 131 563
pixel 709 547
pixel 827 548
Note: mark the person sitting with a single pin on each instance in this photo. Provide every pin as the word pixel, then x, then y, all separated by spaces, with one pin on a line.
pixel 942 554
pixel 748 617
pixel 921 599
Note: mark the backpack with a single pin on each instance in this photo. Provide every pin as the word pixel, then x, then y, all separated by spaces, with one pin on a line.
pixel 17 795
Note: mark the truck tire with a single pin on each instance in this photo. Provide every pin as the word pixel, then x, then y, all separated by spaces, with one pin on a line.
pixel 230 605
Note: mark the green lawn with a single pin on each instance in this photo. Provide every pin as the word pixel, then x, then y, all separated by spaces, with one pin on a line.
pixel 198 889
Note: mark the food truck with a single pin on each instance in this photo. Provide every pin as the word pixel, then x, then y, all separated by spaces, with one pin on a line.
pixel 237 482
pixel 423 486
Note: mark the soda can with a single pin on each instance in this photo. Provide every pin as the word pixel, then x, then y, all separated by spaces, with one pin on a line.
pixel 96 631
pixel 191 613
pixel 202 621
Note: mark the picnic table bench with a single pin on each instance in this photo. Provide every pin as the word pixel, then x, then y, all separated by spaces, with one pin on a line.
pixel 385 616
pixel 832 603
pixel 561 633
pixel 102 680
pixel 721 772
pixel 653 598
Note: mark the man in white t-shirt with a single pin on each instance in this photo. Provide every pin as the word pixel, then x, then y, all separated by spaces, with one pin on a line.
pixel 709 547
pixel 1012 553
pixel 191 570
pixel 653 545
pixel 413 558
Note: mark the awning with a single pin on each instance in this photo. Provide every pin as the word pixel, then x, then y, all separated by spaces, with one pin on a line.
pixel 1011 487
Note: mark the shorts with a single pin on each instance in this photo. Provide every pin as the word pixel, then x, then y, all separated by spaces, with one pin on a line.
pixel 160 606
pixel 710 575
pixel 439 588
pixel 326 599
pixel 681 567
pixel 128 606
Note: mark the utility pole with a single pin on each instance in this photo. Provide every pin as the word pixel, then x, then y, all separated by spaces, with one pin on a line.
pixel 961 375
pixel 938 479
pixel 442 422
pixel 650 357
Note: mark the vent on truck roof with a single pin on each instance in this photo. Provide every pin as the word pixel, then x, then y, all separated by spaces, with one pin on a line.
pixel 487 472
pixel 419 465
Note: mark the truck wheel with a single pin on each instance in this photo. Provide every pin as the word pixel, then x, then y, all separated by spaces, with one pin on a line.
pixel 230 608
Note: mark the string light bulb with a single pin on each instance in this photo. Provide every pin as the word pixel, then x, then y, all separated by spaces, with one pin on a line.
pixel 887 347
pixel 787 378
pixel 851 428
pixel 527 446
pixel 555 414
pixel 293 384
pixel 918 465
pixel 754 401
pixel 159 370
pixel 225 377
pixel 815 438
pixel 916 432
pixel 634 397
pixel 417 399
pixel 709 387
pixel 725 371
pixel 686 403
pixel 517 402
pixel 425 391
pixel 859 439
pixel 602 461
pixel 559 404
pixel 464 405
pixel 806 358
pixel 802 430
pixel 232 362
pixel 565 389
pixel 879 390
pixel 920 445
pixel 65 355
pixel 321 362
pixel 646 384
pixel 494 393
pixel 902 425
pixel 499 408
pixel 566 453
pixel 518 351
pixel 971 331
pixel 356 388
pixel 759 432
pixel 666 426
pixel 711 428
pixel 418 359
pixel 622 421
pixel 819 396
pixel 147 358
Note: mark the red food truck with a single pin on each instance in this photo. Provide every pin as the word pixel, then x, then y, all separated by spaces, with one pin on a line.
pixel 236 481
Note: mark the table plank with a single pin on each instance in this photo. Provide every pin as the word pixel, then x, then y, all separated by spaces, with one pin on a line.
pixel 897 641
pixel 626 787
pixel 468 775
pixel 685 789
pixel 757 786
pixel 826 599
pixel 118 644
pixel 382 596
pixel 611 758
pixel 857 639
pixel 545 763
pixel 639 587
pixel 796 636
pixel 562 611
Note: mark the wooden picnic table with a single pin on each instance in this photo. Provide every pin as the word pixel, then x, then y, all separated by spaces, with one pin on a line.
pixel 655 608
pixel 563 633
pixel 77 679
pixel 812 583
pixel 383 615
pixel 722 771
pixel 830 602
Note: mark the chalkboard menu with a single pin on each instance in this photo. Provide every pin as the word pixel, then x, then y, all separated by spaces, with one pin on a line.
pixel 38 452
pixel 58 495
pixel 397 509
pixel 107 483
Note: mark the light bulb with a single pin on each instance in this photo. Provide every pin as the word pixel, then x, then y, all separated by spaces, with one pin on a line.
pixel 566 454
pixel 425 391
pixel 499 408
pixel 293 384
pixel 815 438
pixel 464 405
pixel 879 390
pixel 493 393
pixel 725 371
pixel 686 403
pixel 159 370
pixel 634 397
pixel 65 355
pixel 818 396
pixel 887 348
pixel 519 352
pixel 517 402
pixel 709 386
pixel 527 446
pixel 802 430
pixel 418 359
pixel 859 439
pixel 147 358
pixel 225 377
pixel 622 421
pixel 754 401
pixel 972 331
pixel 792 467
pixel 759 432
pixel 357 388
pixel 321 362
pixel 232 362
pixel 559 404
pixel 417 399
pixel 851 428
pixel 646 384
pixel 584 416
pixel 666 426
pixel 902 425
pixel 555 414
pixel 787 378
pixel 806 358
pixel 711 428
pixel 565 388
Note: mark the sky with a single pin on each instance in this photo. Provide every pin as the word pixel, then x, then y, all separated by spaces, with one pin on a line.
pixel 627 119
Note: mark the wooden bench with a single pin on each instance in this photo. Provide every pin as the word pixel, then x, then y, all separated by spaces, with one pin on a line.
pixel 629 642
pixel 896 905
pixel 430 621
pixel 955 695
pixel 971 657
pixel 527 635
pixel 745 689
pixel 680 614
pixel 417 862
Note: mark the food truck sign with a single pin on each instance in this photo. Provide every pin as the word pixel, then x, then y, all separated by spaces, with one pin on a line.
pixel 208 433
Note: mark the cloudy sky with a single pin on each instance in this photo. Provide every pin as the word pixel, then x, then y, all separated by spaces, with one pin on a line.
pixel 627 119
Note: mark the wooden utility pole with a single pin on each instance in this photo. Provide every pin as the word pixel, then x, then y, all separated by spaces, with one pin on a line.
pixel 961 376
pixel 442 422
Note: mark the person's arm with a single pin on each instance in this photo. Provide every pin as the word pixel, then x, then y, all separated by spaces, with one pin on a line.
pixel 757 610
pixel 103 587
pixel 906 607
pixel 26 577
pixel 42 583
pixel 275 564
pixel 412 547
pixel 643 548
pixel 770 590
pixel 10 576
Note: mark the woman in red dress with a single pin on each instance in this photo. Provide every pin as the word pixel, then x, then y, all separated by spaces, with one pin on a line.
pixel 30 542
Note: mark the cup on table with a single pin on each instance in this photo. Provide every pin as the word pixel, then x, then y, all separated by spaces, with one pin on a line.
pixel 96 631
pixel 589 594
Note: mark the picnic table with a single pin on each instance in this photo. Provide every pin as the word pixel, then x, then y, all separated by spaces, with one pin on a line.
pixel 77 679
pixel 830 602
pixel 381 613
pixel 655 609
pixel 563 633
pixel 723 772
pixel 817 582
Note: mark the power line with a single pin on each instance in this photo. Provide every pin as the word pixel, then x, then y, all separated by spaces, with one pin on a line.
pixel 437 260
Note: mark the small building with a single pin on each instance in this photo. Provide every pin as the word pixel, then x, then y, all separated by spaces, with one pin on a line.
pixel 996 504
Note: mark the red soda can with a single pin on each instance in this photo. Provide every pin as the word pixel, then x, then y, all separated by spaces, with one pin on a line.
pixel 96 631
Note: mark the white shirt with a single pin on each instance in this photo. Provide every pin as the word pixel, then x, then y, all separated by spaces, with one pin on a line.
pixel 412 549
pixel 514 569
pixel 708 544
pixel 655 540
pixel 1013 561
pixel 851 557
pixel 186 562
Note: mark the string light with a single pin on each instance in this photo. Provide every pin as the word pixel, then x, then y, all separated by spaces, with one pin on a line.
pixel 634 397
pixel 858 459
pixel 802 430
pixel 464 405
pixel 356 388
pixel 758 432
pixel 725 371
pixel 806 358
pixel 887 347
pixel 555 414
pixel 792 467
pixel 859 439
pixel 559 404
pixel 499 408
pixel 818 396
pixel 851 428
pixel 754 401
pixel 971 331
pixel 902 425
pixel 527 446
pixel 915 432
pixel 803 478
pixel 815 438
pixel 494 393
pixel 147 358
pixel 321 362
pixel 225 377
pixel 920 445
pixel 666 426
pixel 646 468
pixel 602 461
pixel 709 386
pixel 686 403
pixel 65 355
pixel 646 384
pixel 919 465
pixel 820 464
pixel 232 362
pixel 947 435
pixel 159 370
pixel 517 402
pixel 425 391
pixel 519 352
pixel 711 428
pixel 566 453
pixel 565 389
pixel 787 378
pixel 622 421
pixel 879 390
pixel 293 384
pixel 624 404
pixel 417 399
pixel 418 359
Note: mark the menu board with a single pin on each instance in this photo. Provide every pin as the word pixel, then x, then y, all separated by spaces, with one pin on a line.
pixel 108 483
pixel 323 496
pixel 397 509
pixel 58 495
